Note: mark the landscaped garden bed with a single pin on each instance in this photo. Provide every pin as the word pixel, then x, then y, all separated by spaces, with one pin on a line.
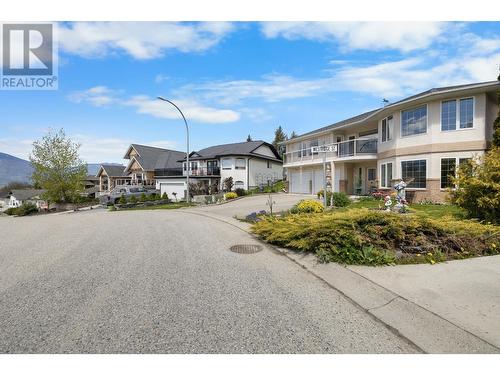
pixel 364 234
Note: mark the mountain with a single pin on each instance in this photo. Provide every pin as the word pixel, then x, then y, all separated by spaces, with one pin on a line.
pixel 19 170
pixel 14 169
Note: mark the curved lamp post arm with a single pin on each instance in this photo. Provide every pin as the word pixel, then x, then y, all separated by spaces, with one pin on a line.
pixel 188 197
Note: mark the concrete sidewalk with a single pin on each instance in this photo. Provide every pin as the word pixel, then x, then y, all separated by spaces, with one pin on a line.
pixel 446 308
pixel 465 292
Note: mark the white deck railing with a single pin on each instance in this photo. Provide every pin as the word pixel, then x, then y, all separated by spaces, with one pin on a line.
pixel 358 147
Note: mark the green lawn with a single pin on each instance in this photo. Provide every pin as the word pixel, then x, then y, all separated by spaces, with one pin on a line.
pixel 435 211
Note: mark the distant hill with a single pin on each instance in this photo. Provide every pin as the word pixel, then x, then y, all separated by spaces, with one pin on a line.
pixel 14 169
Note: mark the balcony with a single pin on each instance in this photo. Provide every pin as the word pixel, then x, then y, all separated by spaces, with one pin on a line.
pixel 198 172
pixel 353 149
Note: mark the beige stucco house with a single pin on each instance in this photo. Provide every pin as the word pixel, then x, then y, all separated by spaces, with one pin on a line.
pixel 421 139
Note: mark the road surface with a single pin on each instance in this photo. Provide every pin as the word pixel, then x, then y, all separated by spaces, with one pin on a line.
pixel 165 281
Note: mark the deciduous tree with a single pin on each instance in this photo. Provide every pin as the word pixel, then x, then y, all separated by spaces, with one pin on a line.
pixel 57 167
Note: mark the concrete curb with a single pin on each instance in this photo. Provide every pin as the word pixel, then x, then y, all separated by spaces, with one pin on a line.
pixel 426 330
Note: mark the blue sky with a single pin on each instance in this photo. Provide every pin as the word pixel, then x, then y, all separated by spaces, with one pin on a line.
pixel 235 79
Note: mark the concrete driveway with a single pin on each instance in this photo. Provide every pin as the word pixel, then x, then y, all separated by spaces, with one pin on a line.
pixel 166 282
pixel 244 206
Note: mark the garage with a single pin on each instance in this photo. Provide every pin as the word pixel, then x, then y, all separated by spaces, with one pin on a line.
pixel 309 181
pixel 173 186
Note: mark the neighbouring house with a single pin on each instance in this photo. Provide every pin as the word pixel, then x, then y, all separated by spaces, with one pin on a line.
pixel 421 139
pixel 140 169
pixel 111 176
pixel 250 164
pixel 19 196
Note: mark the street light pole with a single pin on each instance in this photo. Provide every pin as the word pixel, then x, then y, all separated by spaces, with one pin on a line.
pixel 188 198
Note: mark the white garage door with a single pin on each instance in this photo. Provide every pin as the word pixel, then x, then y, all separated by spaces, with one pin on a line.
pixel 301 182
pixel 318 180
pixel 173 187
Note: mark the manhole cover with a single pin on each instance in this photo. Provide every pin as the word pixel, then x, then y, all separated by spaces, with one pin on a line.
pixel 246 249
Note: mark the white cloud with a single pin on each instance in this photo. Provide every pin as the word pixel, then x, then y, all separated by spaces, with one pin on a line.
pixel 403 36
pixel 100 150
pixel 141 40
pixel 160 78
pixel 98 96
pixel 272 88
pixel 407 77
pixel 191 109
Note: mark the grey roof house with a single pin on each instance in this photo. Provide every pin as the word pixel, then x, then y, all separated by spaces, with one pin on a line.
pixel 250 164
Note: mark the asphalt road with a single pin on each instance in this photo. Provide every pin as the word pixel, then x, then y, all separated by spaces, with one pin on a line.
pixel 165 282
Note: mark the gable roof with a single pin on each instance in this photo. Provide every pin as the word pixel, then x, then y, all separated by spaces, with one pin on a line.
pixel 112 170
pixel 240 148
pixel 23 194
pixel 367 115
pixel 151 158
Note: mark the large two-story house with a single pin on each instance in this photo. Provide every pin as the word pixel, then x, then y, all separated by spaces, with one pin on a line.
pixel 140 169
pixel 421 139
pixel 250 164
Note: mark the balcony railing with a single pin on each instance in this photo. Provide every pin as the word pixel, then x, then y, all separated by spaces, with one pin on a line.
pixel 200 171
pixel 360 147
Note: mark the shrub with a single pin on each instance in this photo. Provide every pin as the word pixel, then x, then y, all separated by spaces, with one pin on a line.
pixel 308 206
pixel 230 195
pixel 133 199
pixel 228 183
pixel 240 192
pixel 122 200
pixel 164 196
pixel 478 187
pixel 363 236
pixel 142 198
pixel 339 199
pixel 23 210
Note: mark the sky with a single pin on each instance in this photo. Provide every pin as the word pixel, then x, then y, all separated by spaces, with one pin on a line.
pixel 235 79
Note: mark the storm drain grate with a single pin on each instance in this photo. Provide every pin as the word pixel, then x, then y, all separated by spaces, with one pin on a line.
pixel 245 249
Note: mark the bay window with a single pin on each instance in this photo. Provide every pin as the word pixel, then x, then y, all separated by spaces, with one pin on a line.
pixel 416 171
pixel 414 121
pixel 453 115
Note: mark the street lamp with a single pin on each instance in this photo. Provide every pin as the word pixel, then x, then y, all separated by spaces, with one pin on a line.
pixel 188 198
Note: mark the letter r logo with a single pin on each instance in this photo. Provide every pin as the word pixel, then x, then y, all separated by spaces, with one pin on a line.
pixel 27 49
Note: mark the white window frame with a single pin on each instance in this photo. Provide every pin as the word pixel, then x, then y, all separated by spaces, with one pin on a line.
pixel 227 160
pixel 384 183
pixel 389 129
pixel 426 171
pixel 426 121
pixel 240 168
pixel 457 115
pixel 457 165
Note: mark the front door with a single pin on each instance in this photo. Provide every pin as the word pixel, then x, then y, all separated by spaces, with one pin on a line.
pixel 359 180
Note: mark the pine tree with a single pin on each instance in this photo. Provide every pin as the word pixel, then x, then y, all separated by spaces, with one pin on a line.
pixel 249 138
pixel 279 136
pixel 293 135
